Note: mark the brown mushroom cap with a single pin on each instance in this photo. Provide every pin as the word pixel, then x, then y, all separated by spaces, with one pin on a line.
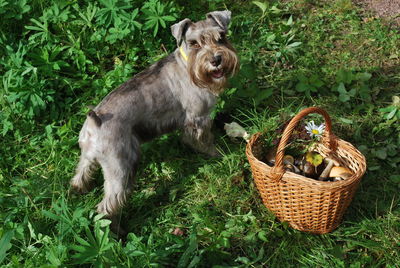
pixel 340 172
pixel 288 159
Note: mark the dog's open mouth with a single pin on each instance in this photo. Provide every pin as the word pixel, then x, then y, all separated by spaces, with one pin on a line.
pixel 217 73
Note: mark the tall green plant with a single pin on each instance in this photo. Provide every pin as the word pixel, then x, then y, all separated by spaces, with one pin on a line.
pixel 157 14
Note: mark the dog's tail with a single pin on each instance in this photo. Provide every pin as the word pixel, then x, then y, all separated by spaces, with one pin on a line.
pixel 97 120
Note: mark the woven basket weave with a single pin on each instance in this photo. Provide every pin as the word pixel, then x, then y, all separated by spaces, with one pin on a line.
pixel 306 204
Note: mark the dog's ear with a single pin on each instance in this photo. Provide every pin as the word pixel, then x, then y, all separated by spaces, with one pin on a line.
pixel 222 18
pixel 179 29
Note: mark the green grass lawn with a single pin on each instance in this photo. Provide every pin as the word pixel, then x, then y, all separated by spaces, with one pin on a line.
pixel 187 210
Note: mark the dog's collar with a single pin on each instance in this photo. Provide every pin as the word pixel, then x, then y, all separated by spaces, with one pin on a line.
pixel 184 56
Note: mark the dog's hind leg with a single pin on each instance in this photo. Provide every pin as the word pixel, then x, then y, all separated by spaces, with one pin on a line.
pixel 119 167
pixel 83 176
pixel 81 181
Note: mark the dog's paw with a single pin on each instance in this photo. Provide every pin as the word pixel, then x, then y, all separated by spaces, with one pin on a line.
pixel 79 188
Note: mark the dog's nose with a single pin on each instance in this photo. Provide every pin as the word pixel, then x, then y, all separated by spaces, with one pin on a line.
pixel 216 60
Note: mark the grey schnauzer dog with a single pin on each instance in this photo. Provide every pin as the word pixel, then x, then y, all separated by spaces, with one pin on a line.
pixel 177 92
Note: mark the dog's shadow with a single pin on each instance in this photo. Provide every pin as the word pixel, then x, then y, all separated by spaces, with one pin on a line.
pixel 166 168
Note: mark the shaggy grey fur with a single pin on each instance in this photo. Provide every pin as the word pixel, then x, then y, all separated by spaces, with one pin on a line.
pixel 158 100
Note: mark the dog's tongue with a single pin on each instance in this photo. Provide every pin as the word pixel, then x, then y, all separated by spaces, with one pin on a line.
pixel 217 73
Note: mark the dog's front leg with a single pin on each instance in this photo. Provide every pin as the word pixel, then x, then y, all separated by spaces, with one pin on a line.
pixel 197 134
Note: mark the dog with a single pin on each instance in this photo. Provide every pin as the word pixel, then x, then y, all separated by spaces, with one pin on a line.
pixel 177 92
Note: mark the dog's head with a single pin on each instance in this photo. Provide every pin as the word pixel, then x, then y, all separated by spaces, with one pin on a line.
pixel 210 57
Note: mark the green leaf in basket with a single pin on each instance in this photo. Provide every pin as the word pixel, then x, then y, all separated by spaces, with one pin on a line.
pixel 314 158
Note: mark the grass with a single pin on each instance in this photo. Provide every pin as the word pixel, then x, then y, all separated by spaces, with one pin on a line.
pixel 213 202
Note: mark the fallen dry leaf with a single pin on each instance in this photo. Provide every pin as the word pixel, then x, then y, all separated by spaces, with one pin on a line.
pixel 178 232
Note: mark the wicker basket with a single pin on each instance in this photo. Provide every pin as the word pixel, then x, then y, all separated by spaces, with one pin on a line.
pixel 306 204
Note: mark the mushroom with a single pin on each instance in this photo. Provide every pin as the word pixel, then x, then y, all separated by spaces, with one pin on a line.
pixel 329 165
pixel 312 165
pixel 288 159
pixel 235 130
pixel 340 173
pixel 309 170
pixel 288 163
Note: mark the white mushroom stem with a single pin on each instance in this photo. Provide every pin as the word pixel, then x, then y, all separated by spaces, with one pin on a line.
pixel 235 130
pixel 327 169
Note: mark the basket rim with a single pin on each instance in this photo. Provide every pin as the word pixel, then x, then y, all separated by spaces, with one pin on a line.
pixel 293 178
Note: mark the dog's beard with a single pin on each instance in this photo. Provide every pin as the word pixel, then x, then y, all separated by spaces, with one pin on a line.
pixel 204 75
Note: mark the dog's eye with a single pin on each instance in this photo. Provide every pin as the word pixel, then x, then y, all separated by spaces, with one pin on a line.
pixel 221 38
pixel 194 44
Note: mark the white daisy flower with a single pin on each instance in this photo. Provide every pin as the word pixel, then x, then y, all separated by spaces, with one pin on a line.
pixel 314 130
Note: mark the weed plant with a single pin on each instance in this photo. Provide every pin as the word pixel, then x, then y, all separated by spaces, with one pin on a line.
pixel 59 57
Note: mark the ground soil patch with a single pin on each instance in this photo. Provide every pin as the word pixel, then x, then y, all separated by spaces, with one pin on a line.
pixel 387 9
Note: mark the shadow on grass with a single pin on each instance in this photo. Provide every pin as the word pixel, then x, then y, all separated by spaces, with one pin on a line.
pixel 166 169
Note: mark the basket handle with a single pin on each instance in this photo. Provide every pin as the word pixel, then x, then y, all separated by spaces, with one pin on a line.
pixel 328 138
